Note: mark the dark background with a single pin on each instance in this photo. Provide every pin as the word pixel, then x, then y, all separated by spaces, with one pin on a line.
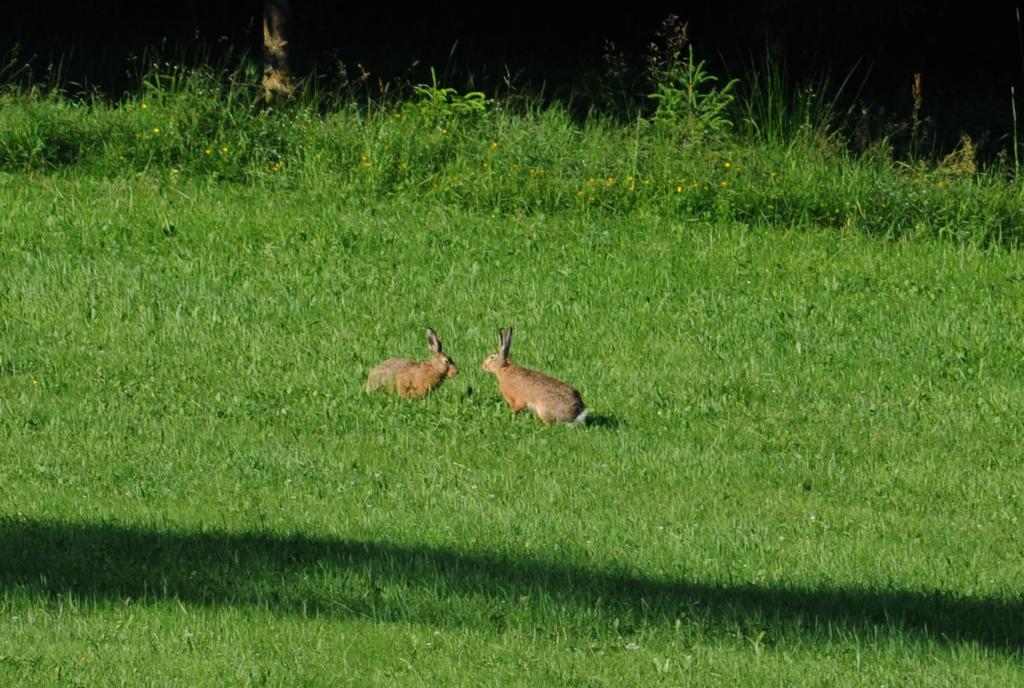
pixel 969 54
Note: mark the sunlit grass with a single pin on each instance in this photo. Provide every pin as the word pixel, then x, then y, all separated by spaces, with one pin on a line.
pixel 514 158
pixel 804 371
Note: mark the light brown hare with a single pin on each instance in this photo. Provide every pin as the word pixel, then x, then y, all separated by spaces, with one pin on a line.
pixel 552 400
pixel 409 378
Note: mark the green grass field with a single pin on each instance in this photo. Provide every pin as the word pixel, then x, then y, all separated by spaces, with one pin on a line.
pixel 804 465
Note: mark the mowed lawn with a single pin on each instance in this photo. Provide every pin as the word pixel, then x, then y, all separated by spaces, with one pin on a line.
pixel 805 464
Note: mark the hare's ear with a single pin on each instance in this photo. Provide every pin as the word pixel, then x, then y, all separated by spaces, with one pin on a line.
pixel 435 343
pixel 505 339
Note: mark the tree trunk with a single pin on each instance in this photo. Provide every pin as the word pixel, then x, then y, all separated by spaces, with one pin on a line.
pixel 277 80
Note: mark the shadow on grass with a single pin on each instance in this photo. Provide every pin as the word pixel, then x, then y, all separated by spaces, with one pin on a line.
pixel 604 420
pixel 445 587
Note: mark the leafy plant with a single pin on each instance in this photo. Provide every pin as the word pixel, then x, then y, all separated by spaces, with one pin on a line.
pixel 686 94
pixel 444 103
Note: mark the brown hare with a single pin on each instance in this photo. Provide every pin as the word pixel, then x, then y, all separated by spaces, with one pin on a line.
pixel 409 378
pixel 552 400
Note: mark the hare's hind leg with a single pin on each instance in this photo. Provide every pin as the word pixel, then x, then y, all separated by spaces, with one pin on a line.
pixel 377 378
pixel 545 414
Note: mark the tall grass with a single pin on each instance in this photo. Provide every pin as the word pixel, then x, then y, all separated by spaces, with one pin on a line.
pixel 787 162
pixel 774 110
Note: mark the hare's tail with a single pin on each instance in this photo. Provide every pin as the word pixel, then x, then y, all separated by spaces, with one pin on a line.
pixel 580 419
